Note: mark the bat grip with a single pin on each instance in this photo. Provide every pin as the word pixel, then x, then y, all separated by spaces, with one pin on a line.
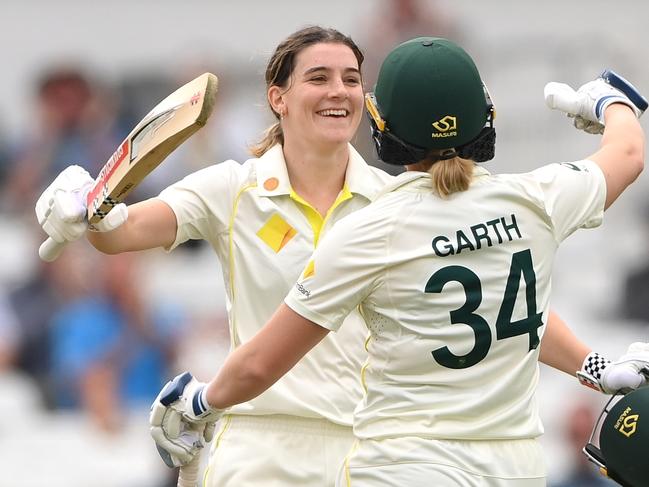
pixel 50 249
pixel 561 97
pixel 188 475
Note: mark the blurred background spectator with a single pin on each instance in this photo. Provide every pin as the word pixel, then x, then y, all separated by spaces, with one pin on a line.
pixel 579 419
pixel 110 350
pixel 86 342
pixel 73 122
pixel 9 334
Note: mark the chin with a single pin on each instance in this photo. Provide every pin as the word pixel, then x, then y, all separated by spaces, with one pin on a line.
pixel 337 137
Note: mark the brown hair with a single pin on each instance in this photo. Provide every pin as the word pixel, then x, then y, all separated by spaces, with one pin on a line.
pixel 280 68
pixel 451 175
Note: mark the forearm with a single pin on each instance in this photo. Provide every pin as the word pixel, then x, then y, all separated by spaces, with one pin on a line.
pixel 560 348
pixel 621 154
pixel 238 381
pixel 150 224
pixel 259 363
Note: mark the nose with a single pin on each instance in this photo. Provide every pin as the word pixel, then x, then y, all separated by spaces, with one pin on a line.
pixel 338 89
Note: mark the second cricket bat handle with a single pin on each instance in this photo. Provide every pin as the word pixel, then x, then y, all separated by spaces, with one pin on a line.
pixel 50 249
pixel 188 475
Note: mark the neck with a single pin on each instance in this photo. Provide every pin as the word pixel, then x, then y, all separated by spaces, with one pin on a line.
pixel 317 175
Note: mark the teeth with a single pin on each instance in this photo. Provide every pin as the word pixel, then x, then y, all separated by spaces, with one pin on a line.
pixel 335 113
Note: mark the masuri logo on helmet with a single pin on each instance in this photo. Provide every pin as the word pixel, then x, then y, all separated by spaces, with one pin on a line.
pixel 446 127
pixel 623 439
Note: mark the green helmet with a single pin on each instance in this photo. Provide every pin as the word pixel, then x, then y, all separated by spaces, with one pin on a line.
pixel 429 96
pixel 624 439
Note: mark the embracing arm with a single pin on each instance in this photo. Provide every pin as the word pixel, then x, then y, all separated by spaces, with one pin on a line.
pixel 560 348
pixel 259 363
pixel 150 223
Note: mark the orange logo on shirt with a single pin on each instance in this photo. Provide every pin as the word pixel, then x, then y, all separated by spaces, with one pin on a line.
pixel 271 184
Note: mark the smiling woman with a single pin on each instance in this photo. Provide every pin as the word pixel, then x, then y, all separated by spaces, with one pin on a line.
pixel 264 218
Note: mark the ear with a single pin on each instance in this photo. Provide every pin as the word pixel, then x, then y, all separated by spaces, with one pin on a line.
pixel 276 100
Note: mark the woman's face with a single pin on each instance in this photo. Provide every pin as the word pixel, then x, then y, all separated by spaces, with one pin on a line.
pixel 324 101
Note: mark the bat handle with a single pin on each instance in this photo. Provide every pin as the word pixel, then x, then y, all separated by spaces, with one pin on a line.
pixel 560 96
pixel 50 249
pixel 188 475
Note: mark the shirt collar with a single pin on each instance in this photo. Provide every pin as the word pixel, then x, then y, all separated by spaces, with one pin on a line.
pixel 424 179
pixel 480 171
pixel 359 178
pixel 272 175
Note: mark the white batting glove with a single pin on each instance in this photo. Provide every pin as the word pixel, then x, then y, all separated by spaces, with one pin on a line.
pixel 181 420
pixel 624 375
pixel 62 208
pixel 588 104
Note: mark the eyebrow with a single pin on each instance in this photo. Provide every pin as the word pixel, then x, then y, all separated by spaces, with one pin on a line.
pixel 325 68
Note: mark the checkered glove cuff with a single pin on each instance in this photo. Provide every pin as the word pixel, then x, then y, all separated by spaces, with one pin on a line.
pixel 591 371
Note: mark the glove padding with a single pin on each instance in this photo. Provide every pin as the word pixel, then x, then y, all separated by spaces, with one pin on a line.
pixel 588 104
pixel 182 422
pixel 622 376
pixel 62 208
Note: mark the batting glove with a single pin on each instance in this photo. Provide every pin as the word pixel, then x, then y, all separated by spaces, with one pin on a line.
pixel 182 422
pixel 624 375
pixel 588 104
pixel 61 211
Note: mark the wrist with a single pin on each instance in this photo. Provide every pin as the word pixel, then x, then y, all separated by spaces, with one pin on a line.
pixel 592 370
pixel 200 407
pixel 618 108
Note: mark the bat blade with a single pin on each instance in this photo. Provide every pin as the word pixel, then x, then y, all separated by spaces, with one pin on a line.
pixel 170 123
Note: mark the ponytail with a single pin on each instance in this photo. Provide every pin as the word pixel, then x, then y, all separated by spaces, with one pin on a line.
pixel 272 136
pixel 451 175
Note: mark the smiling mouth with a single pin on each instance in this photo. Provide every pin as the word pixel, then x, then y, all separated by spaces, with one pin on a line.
pixel 336 113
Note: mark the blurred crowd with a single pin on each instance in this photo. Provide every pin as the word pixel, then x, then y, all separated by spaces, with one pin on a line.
pixel 83 331
pixel 80 327
pixel 88 332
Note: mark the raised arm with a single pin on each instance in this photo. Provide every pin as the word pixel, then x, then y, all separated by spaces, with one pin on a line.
pixel 61 211
pixel 611 106
pixel 150 224
pixel 621 153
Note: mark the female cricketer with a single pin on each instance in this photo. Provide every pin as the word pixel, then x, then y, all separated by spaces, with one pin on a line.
pixel 450 268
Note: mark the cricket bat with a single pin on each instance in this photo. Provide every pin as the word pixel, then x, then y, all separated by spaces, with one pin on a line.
pixel 188 475
pixel 560 96
pixel 158 134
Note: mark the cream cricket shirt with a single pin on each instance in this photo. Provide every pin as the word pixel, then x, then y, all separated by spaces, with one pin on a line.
pixel 455 293
pixel 264 235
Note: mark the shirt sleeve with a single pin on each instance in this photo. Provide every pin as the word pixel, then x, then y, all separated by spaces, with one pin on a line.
pixel 347 265
pixel 202 201
pixel 573 195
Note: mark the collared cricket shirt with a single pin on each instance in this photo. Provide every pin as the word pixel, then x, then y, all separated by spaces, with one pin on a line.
pixel 455 293
pixel 264 235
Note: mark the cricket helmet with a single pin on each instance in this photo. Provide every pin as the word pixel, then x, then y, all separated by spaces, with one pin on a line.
pixel 620 439
pixel 429 97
